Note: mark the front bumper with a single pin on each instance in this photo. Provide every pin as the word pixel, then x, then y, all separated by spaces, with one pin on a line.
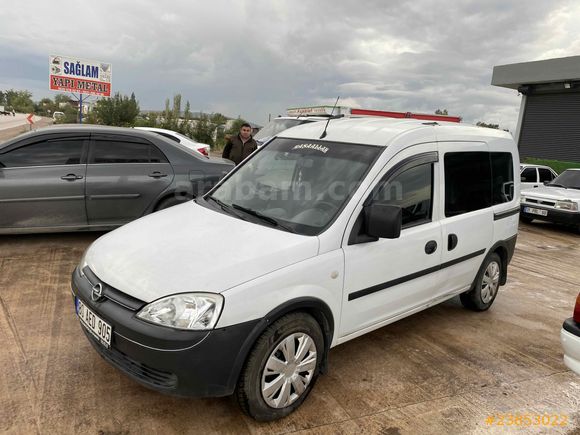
pixel 556 216
pixel 184 363
pixel 570 338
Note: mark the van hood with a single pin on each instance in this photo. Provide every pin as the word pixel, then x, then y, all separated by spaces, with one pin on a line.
pixel 190 248
pixel 553 193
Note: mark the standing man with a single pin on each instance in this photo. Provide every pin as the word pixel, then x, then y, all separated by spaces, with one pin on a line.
pixel 241 146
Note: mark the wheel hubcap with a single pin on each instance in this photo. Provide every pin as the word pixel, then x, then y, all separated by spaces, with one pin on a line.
pixel 289 370
pixel 490 282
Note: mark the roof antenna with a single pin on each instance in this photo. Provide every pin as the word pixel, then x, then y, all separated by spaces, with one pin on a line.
pixel 323 135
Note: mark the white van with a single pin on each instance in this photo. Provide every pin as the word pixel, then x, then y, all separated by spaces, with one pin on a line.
pixel 307 244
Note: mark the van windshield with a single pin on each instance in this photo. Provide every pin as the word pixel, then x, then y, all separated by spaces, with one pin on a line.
pixel 296 185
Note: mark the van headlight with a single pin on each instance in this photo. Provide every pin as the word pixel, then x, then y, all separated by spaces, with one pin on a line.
pixel 567 205
pixel 523 198
pixel 190 311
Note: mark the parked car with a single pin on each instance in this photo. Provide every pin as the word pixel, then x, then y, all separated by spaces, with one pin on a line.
pixel 202 148
pixel 557 201
pixel 75 178
pixel 533 176
pixel 319 241
pixel 570 337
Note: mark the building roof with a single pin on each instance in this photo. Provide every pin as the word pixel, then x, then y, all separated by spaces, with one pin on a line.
pixel 564 69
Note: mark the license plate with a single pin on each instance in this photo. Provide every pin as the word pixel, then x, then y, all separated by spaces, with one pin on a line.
pixel 95 325
pixel 536 211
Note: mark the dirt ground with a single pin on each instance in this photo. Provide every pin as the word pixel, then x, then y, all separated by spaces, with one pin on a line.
pixel 444 370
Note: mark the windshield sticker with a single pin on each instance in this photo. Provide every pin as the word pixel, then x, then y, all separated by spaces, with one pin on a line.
pixel 311 146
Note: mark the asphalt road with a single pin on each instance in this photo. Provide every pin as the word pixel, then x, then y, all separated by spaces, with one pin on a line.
pixel 444 370
pixel 11 126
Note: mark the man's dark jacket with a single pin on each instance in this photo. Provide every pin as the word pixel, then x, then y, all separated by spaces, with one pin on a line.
pixel 236 150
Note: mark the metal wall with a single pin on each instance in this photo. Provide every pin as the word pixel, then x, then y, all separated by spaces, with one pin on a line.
pixel 551 127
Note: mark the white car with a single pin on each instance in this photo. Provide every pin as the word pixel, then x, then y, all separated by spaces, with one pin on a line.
pixel 570 338
pixel 557 201
pixel 202 148
pixel 307 244
pixel 533 176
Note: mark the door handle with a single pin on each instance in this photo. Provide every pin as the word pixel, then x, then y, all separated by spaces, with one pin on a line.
pixel 157 174
pixel 71 177
pixel 430 247
pixel 451 242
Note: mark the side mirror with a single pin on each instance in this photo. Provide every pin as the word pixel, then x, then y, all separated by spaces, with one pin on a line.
pixel 523 179
pixel 546 182
pixel 383 221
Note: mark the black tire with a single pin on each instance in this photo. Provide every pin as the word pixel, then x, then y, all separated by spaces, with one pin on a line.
pixel 249 389
pixel 171 201
pixel 526 219
pixel 481 296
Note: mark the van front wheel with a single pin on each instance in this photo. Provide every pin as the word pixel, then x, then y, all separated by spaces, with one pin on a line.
pixel 483 293
pixel 282 368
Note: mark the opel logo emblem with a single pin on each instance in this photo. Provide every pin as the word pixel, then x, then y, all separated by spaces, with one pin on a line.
pixel 97 292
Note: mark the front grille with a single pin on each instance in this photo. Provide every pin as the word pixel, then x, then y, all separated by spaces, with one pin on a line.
pixel 148 375
pixel 112 293
pixel 540 202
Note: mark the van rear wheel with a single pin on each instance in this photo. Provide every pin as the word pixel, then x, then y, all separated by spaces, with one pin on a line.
pixel 483 293
pixel 282 368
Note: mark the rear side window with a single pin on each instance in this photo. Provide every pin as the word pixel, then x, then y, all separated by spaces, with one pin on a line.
pixel 116 151
pixel 529 175
pixel 45 153
pixel 502 172
pixel 545 175
pixel 412 190
pixel 467 182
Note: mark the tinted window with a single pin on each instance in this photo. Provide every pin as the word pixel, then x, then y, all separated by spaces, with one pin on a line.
pixel 529 175
pixel 545 175
pixel 125 152
pixel 46 153
pixel 412 190
pixel 502 171
pixel 467 182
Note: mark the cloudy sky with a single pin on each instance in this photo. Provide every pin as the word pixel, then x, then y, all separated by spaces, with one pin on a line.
pixel 255 58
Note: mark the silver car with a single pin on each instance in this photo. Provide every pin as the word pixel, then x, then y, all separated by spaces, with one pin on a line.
pixel 82 178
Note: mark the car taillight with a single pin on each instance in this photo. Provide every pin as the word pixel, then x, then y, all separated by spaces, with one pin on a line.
pixel 203 151
pixel 577 310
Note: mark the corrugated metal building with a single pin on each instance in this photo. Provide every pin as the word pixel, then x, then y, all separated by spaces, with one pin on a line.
pixel 549 122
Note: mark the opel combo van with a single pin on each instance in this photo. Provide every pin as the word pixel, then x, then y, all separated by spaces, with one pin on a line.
pixel 322 235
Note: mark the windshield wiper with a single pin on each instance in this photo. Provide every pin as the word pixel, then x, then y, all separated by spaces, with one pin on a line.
pixel 263 217
pixel 225 207
pixel 556 185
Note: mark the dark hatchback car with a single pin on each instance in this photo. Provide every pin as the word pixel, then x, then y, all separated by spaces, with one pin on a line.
pixel 82 178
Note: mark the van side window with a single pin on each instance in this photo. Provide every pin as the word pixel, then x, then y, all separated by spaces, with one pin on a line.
pixel 467 182
pixel 502 171
pixel 412 190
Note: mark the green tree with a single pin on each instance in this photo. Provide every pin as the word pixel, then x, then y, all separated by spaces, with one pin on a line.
pixel 203 130
pixel 20 101
pixel 441 112
pixel 119 110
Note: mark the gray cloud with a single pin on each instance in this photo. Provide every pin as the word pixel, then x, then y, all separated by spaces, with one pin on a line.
pixel 258 58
